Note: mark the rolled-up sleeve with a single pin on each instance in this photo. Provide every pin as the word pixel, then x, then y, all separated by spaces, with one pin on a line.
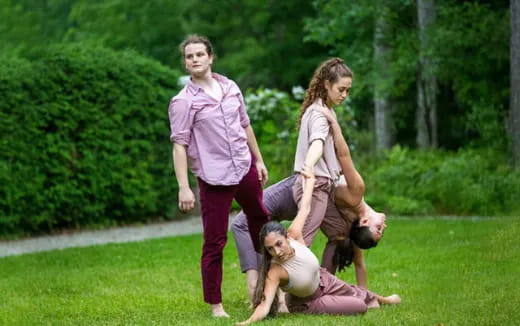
pixel 181 121
pixel 244 118
pixel 318 127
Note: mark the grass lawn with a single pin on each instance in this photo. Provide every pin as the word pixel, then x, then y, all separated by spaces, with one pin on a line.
pixel 447 271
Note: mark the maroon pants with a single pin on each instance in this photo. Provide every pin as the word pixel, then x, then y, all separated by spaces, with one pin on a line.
pixel 215 202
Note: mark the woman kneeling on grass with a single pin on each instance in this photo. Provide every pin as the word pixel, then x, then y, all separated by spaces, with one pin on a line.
pixel 287 263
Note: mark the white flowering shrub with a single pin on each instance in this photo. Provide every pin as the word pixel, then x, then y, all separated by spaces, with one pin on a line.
pixel 273 115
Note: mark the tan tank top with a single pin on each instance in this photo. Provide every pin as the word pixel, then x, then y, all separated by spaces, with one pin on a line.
pixel 303 269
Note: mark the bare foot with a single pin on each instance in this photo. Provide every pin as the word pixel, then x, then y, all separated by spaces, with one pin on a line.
pixel 217 310
pixel 392 299
pixel 282 306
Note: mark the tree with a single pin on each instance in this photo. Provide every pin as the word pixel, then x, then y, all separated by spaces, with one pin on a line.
pixel 261 47
pixel 26 24
pixel 514 119
pixel 471 43
pixel 383 106
pixel 153 27
pixel 426 81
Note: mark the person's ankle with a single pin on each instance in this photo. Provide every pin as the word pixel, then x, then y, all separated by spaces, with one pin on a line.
pixel 282 308
pixel 217 310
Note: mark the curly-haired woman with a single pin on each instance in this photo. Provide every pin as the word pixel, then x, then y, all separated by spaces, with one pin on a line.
pixel 330 85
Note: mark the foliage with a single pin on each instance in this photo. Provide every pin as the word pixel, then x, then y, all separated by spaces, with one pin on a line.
pixel 78 147
pixel 277 44
pixel 470 48
pixel 154 27
pixel 26 24
pixel 261 47
pixel 84 139
pixel 426 182
pixel 157 282
pixel 351 37
pixel 403 181
pixel 273 115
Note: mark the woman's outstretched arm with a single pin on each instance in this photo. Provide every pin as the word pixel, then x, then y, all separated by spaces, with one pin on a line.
pixel 360 267
pixel 272 281
pixel 295 230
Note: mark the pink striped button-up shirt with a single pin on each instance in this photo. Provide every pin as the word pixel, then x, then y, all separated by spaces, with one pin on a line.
pixel 213 132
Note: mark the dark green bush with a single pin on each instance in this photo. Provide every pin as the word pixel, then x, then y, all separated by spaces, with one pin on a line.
pixel 84 139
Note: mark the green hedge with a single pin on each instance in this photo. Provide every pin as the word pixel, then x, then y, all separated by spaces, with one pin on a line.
pixel 85 139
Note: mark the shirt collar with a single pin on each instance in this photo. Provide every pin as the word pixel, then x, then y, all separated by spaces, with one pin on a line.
pixel 194 89
pixel 319 101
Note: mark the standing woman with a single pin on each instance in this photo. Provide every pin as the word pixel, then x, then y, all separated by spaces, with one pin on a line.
pixel 330 85
pixel 210 131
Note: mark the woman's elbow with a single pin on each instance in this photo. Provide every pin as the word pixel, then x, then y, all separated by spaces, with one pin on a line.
pixel 294 234
pixel 359 189
pixel 360 266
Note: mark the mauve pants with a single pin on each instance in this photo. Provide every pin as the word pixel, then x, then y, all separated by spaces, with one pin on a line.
pixel 334 296
pixel 279 202
pixel 321 198
pixel 215 202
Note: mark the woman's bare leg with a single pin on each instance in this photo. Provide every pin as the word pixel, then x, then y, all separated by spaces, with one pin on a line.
pixel 251 278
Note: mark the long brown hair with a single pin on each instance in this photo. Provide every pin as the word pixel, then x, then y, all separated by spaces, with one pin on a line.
pixel 265 264
pixel 330 70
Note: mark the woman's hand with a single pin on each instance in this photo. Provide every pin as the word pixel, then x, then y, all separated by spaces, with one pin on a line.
pixel 307 172
pixel 186 199
pixel 245 322
pixel 262 172
pixel 327 113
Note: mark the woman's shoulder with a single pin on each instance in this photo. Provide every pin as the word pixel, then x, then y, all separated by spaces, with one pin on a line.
pixel 298 246
pixel 277 271
pixel 314 115
pixel 316 106
pixel 226 82
pixel 318 103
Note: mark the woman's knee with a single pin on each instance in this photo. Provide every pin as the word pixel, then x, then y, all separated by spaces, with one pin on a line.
pixel 239 223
